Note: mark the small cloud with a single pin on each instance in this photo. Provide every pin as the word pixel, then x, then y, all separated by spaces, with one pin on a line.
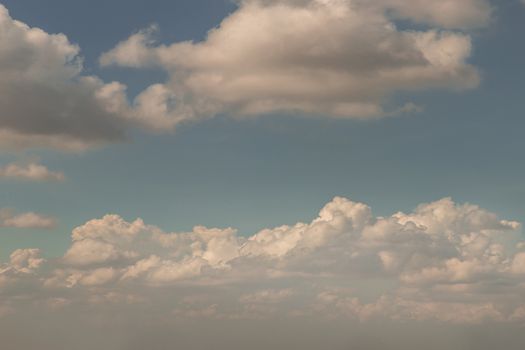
pixel 31 171
pixel 408 108
pixel 268 296
pixel 26 220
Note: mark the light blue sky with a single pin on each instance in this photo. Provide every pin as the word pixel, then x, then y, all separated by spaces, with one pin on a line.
pixel 274 170
pixel 384 208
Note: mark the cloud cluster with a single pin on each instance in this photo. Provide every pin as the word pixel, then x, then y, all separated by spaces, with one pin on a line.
pixel 336 58
pixel 8 218
pixel 30 171
pixel 444 261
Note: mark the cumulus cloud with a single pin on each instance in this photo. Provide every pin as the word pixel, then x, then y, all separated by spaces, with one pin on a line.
pixel 30 171
pixel 25 220
pixel 336 58
pixel 21 262
pixel 449 262
pixel 44 98
pixel 25 260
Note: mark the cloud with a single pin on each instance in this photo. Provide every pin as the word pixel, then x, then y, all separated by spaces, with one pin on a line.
pixel 25 220
pixel 336 58
pixel 30 171
pixel 447 262
pixel 266 296
pixel 448 13
pixel 44 98
pixel 21 262
pixel 25 260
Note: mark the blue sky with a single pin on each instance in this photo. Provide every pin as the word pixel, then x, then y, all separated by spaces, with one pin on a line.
pixel 385 135
pixel 279 169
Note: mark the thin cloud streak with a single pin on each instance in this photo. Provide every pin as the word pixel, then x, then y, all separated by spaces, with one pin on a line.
pixel 30 171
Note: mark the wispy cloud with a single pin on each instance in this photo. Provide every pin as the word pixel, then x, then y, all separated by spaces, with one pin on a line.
pixel 26 220
pixel 30 171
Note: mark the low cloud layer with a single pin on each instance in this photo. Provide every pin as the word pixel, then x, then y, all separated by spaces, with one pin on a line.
pixel 443 262
pixel 336 58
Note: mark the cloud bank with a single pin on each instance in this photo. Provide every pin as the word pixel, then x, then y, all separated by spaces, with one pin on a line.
pixel 443 262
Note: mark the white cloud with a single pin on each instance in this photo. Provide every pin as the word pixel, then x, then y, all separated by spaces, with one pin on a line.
pixel 336 58
pixel 443 261
pixel 333 58
pixel 22 262
pixel 25 220
pixel 88 252
pixel 30 171
pixel 26 260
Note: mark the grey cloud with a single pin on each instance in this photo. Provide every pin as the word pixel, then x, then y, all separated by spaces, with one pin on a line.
pixel 44 99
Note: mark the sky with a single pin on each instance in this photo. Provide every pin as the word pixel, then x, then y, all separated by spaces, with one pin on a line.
pixel 347 169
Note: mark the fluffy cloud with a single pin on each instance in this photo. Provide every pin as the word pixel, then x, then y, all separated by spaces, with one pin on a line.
pixel 47 101
pixel 31 171
pixel 337 58
pixel 25 260
pixel 443 261
pixel 44 99
pixel 22 262
pixel 25 220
